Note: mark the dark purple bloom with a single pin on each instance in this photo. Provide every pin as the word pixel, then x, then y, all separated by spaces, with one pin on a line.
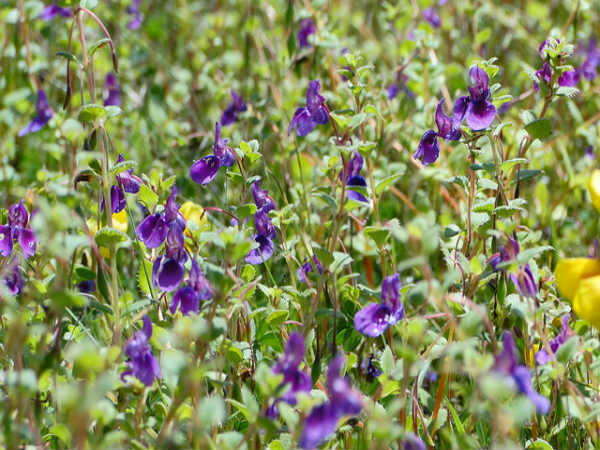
pixel 411 441
pixel 308 267
pixel 369 369
pixel 307 27
pixel 262 199
pixel 375 318
pixel 53 10
pixel 542 357
pixel 343 400
pixel 12 277
pixel 569 78
pixel 354 178
pixel 289 367
pixel 315 112
pixel 44 113
pixel 480 111
pixel 589 151
pixel 237 105
pixel 134 10
pixel 205 169
pixel 188 297
pixel 431 16
pixel 87 286
pixel 524 281
pixel 265 231
pixel 17 230
pixel 449 127
pixel 589 67
pixel 543 75
pixel 126 182
pixel 393 90
pixel 142 363
pixel 429 148
pixel 112 96
pixel 506 364
pixel 508 252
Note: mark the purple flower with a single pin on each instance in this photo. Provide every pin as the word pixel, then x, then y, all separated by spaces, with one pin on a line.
pixel 589 152
pixel 393 90
pixel 51 11
pixel 112 96
pixel 411 441
pixel 289 367
pixel 315 112
pixel 237 105
pixel 508 252
pixel 524 281
pixel 265 231
pixel 431 16
pixel 542 357
pixel 448 128
pixel 569 78
pixel 12 277
pixel 142 363
pixel 262 199
pixel 544 75
pixel 134 10
pixel 343 400
pixel 506 364
pixel 87 286
pixel 126 182
pixel 375 318
pixel 17 230
pixel 205 169
pixel 44 113
pixel 369 369
pixel 308 267
pixel 354 178
pixel 480 112
pixel 196 288
pixel 589 67
pixel 307 27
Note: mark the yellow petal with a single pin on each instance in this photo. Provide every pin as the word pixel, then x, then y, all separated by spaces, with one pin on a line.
pixel 192 212
pixel 594 187
pixel 92 226
pixel 570 271
pixel 586 303
pixel 119 221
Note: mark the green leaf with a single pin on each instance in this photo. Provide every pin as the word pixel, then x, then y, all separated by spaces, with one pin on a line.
pixel 539 444
pixel 378 234
pixel 566 351
pixel 567 91
pixel 107 236
pixel 62 432
pixel 340 260
pixel 277 317
pixel 69 56
pixel 148 197
pixel 357 120
pixel 539 129
pixel 68 299
pixel 91 113
pixel 96 45
pixel 341 120
pixel 386 182
pixel 122 167
pixel 245 211
pixel 459 426
pixel 387 361
pixel 88 4
pixel 145 277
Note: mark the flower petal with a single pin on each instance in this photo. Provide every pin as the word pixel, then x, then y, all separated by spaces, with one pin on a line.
pixel 205 170
pixel 480 115
pixel 428 149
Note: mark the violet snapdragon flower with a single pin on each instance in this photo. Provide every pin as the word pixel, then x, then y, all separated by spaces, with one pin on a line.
pixel 431 16
pixel 44 113
pixel 195 289
pixel 18 230
pixel 375 318
pixel 368 368
pixel 53 10
pixel 307 27
pixel 448 128
pixel 206 168
pixel 543 75
pixel 315 112
pixel 354 178
pixel 522 278
pixel 126 182
pixel 289 367
pixel 168 225
pixel 506 364
pixel 142 363
pixel 542 357
pixel 265 231
pixel 112 96
pixel 344 400
pixel 134 10
pixel 237 105
pixel 480 111
pixel 307 268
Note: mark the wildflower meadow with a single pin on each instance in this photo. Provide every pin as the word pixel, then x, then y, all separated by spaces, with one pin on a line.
pixel 281 224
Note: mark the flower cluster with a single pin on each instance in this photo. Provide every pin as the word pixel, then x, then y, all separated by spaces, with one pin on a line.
pixel 315 112
pixel 142 363
pixel 589 67
pixel 289 367
pixel 44 113
pixel 476 109
pixel 265 231
pixel 188 296
pixel 344 400
pixel 205 169
pixel 506 364
pixel 126 182
pixel 522 278
pixel 375 318
pixel 237 105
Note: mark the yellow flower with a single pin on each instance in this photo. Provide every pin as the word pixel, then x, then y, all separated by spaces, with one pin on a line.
pixel 594 188
pixel 578 280
pixel 119 221
pixel 192 212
